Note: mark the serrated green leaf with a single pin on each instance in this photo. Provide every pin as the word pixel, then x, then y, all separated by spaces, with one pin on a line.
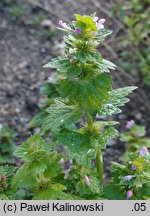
pixel 38 119
pixel 75 141
pixel 113 192
pixel 117 98
pixel 73 71
pixel 102 34
pixel 7 171
pixel 32 149
pixel 93 188
pixel 60 113
pixel 59 63
pixel 34 174
pixel 144 191
pixel 24 178
pixel 52 192
pixel 108 64
pixel 49 89
pixel 107 123
pixel 90 94
pixel 118 170
pixel 63 65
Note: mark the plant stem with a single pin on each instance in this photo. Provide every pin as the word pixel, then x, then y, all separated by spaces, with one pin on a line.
pixel 89 120
pixel 99 158
pixel 99 162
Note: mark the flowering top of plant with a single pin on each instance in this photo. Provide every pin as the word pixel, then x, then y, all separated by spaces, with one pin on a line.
pixel 80 90
pixel 84 87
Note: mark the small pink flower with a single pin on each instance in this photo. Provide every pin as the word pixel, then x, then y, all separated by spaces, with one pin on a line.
pixel 129 194
pixel 72 60
pixel 68 56
pixel 133 167
pixel 143 151
pixel 66 171
pixel 128 177
pixel 137 134
pixel 87 180
pixel 95 19
pixel 130 124
pixel 64 25
pixel 3 178
pixel 49 79
pixel 100 23
pixel 77 30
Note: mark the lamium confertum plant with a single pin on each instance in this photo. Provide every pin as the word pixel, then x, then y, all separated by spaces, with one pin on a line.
pixel 58 161
pixel 134 137
pixel 130 180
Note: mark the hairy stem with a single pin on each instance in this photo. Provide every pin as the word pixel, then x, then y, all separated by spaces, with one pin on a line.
pixel 99 163
pixel 99 158
pixel 89 120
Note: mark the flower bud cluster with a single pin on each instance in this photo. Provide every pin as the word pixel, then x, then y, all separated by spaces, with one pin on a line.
pixel 99 23
pixel 130 124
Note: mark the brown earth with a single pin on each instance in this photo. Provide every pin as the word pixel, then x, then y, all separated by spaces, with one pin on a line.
pixel 24 49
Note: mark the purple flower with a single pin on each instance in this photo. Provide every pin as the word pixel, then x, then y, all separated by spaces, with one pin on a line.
pixel 129 194
pixel 77 30
pixel 64 25
pixel 68 56
pixel 3 178
pixel 143 151
pixel 72 60
pixel 128 177
pixel 130 124
pixel 137 134
pixel 100 23
pixel 95 19
pixel 133 167
pixel 87 180
pixel 49 79
pixel 66 171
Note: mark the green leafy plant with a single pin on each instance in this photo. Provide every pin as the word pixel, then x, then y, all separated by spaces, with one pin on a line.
pixel 64 160
pixel 36 20
pixel 7 145
pixel 134 137
pixel 134 15
pixel 17 11
pixel 130 180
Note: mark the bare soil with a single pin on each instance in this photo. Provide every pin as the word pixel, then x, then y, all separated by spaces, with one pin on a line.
pixel 24 49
